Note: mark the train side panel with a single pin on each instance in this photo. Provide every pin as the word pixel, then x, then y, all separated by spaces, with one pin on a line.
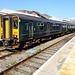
pixel 29 31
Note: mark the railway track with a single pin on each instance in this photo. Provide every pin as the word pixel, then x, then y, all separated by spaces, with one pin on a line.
pixel 31 64
pixel 7 54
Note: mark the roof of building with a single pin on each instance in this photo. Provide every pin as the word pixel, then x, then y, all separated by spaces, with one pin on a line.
pixel 12 11
pixel 43 15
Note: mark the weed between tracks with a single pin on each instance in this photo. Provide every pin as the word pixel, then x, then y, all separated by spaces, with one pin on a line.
pixel 27 56
pixel 39 49
pixel 13 62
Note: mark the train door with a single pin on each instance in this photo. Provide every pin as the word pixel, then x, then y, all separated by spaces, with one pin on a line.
pixel 6 29
pixel 7 25
pixel 60 25
pixel 48 28
pixel 66 27
pixel 31 29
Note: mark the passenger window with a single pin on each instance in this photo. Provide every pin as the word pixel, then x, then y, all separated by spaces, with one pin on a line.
pixel 26 26
pixel 53 26
pixel 57 26
pixel 64 26
pixel 15 23
pixel 38 24
pixel 42 26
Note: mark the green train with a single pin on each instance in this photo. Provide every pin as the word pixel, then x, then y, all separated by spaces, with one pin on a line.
pixel 24 29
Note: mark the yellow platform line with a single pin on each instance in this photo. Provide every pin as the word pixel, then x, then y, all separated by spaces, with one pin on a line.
pixel 69 66
pixel 73 70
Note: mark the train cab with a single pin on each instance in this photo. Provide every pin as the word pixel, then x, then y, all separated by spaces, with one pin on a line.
pixel 9 29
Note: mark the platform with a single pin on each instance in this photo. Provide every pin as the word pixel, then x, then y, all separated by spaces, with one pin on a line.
pixel 61 63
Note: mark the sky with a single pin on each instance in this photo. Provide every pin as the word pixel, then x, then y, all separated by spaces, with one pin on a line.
pixel 63 9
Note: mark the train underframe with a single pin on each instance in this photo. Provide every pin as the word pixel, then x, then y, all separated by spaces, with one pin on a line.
pixel 13 42
pixel 40 39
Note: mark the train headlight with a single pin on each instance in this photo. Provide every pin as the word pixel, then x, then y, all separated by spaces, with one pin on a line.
pixel 15 36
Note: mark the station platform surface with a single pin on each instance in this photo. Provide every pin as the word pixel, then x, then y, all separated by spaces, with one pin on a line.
pixel 61 63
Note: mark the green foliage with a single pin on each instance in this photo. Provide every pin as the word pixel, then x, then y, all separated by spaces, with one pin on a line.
pixel 27 56
pixel 39 49
pixel 13 62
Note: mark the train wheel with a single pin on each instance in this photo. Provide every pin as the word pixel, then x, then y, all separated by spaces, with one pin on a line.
pixel 6 43
pixel 21 45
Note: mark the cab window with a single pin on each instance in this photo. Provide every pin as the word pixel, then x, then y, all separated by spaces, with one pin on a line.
pixel 2 22
pixel 15 23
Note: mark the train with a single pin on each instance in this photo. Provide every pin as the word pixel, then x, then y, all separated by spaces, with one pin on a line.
pixel 24 29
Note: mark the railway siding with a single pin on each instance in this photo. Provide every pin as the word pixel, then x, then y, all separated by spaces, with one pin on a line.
pixel 14 59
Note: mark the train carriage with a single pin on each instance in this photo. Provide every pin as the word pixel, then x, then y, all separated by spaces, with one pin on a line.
pixel 8 32
pixel 20 28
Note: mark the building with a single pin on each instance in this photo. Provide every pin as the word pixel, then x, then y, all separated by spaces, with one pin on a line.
pixel 36 14
pixel 45 16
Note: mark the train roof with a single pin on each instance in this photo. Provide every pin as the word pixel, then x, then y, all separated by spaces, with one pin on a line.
pixel 31 17
pixel 27 16
pixel 37 19
pixel 22 16
pixel 69 22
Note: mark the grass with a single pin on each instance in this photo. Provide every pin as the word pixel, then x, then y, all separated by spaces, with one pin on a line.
pixel 39 49
pixel 34 49
pixel 13 62
pixel 27 56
